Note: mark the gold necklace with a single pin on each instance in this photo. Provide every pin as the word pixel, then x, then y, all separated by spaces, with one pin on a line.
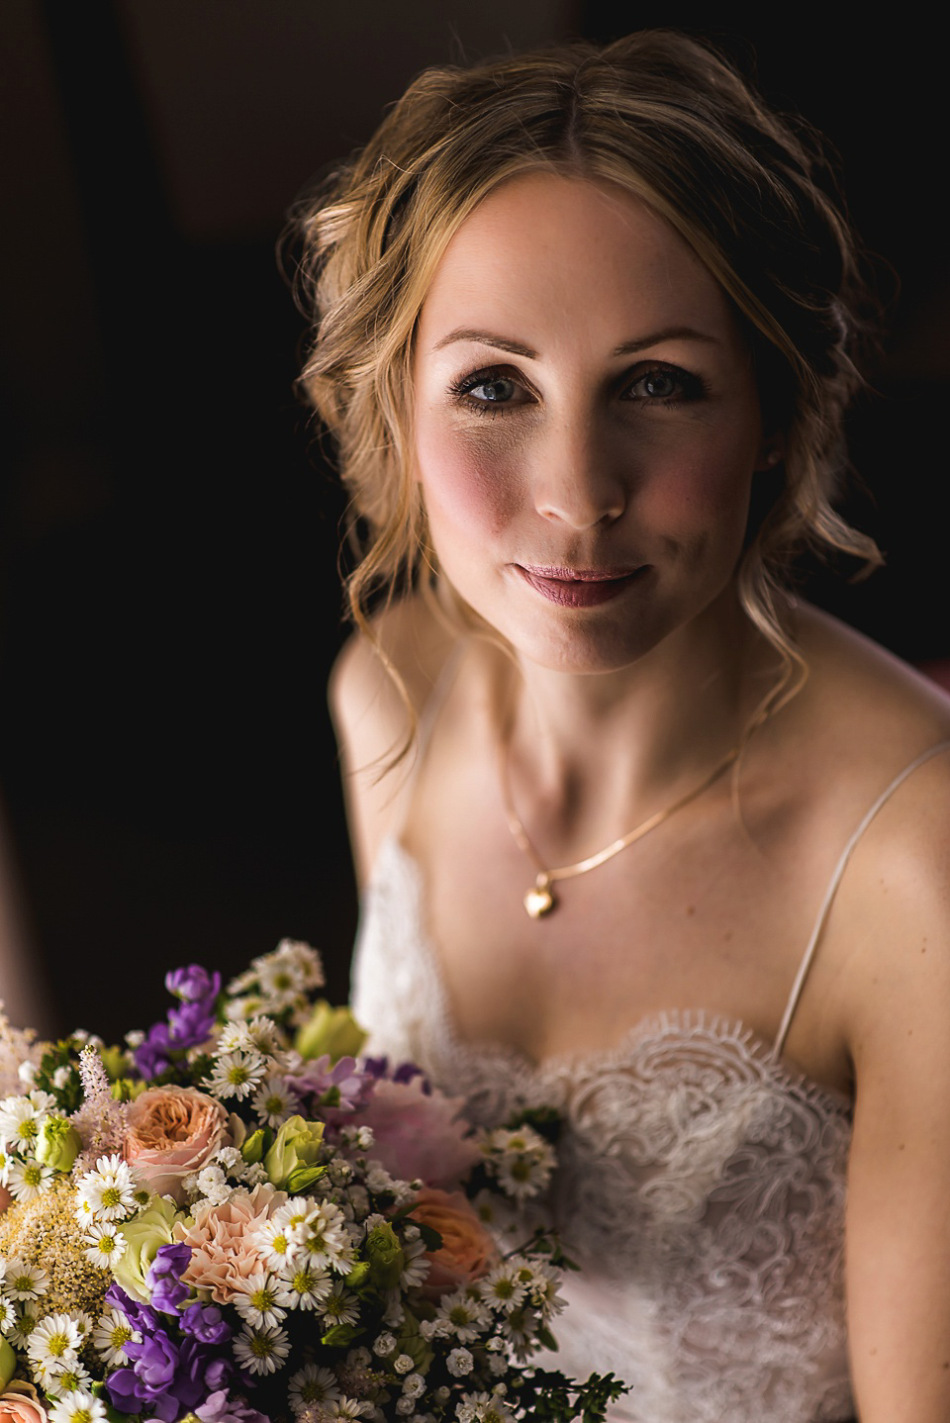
pixel 539 899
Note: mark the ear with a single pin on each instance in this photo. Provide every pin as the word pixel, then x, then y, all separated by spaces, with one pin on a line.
pixel 771 452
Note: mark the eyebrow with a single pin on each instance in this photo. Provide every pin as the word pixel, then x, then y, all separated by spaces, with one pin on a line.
pixel 626 348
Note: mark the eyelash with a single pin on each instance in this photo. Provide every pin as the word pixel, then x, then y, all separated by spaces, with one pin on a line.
pixel 692 388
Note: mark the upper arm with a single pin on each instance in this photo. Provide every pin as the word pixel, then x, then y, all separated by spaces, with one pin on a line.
pixel 898 1214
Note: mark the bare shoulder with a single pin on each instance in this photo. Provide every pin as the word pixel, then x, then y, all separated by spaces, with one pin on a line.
pixel 882 730
pixel 374 712
pixel 865 695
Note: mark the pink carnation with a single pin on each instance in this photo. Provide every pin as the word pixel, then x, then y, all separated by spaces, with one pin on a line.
pixel 173 1131
pixel 419 1134
pixel 221 1253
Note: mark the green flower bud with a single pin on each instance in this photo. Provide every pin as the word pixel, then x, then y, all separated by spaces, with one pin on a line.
pixel 330 1030
pixel 296 1145
pixel 385 1255
pixel 58 1143
pixel 254 1146
pixel 7 1364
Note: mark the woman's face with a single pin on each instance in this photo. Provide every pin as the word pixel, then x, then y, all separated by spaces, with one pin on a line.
pixel 586 424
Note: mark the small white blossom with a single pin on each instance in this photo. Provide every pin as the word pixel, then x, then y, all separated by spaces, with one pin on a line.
pixel 404 1363
pixel 312 1384
pixel 55 1342
pixel 460 1363
pixel 236 1074
pixel 78 1407
pixel 106 1246
pixel 262 1351
pixel 110 1336
pixel 23 1281
pixel 28 1179
pixel 256 1300
pixel 109 1190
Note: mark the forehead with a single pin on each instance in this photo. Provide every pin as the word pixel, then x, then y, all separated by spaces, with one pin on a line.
pixel 542 244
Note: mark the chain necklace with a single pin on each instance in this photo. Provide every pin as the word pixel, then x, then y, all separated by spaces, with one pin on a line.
pixel 540 899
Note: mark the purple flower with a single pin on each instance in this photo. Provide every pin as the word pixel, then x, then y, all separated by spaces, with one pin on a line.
pixel 218 1408
pixel 164 1277
pixel 188 1025
pixel 207 1323
pixel 193 983
pixel 147 1383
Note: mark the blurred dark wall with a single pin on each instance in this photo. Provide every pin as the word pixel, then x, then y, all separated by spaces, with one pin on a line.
pixel 169 601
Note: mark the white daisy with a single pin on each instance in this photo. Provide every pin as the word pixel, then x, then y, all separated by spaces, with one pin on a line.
pixel 262 1351
pixel 463 1316
pixel 23 1281
pixel 79 1407
pixel 312 1384
pixel 7 1315
pixel 256 1300
pixel 106 1246
pixel 28 1179
pixel 340 1307
pixel 109 1190
pixel 19 1121
pixel 110 1336
pixel 503 1288
pixel 304 1286
pixel 274 1102
pixel 326 1238
pixel 236 1074
pixel 277 1241
pixel 55 1342
pixel 352 1408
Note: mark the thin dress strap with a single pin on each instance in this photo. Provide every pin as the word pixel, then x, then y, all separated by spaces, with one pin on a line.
pixel 835 881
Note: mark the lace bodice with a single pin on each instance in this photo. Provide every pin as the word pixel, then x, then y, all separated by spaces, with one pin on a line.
pixel 701 1188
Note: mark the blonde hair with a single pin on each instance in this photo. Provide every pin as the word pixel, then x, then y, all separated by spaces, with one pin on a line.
pixel 666 118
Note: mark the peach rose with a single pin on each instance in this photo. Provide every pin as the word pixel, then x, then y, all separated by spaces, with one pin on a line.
pixel 20 1404
pixel 172 1132
pixel 467 1249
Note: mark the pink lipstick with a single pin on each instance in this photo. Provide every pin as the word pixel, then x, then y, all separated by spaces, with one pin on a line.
pixel 579 587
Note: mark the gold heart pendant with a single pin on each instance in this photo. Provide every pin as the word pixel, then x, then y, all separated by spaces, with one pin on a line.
pixel 539 901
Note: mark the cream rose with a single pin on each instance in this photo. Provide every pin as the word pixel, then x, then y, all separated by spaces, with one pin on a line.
pixel 172 1132
pixel 467 1249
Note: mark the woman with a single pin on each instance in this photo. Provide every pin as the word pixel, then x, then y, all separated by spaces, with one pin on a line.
pixel 668 850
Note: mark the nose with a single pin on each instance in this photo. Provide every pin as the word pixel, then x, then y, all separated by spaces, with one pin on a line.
pixel 577 482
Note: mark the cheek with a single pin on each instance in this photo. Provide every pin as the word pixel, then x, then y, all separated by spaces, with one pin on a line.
pixel 706 493
pixel 468 488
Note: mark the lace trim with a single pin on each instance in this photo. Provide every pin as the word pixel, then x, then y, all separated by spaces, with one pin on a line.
pixel 399 872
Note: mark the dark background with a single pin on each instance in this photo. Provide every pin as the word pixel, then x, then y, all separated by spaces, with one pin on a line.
pixel 169 600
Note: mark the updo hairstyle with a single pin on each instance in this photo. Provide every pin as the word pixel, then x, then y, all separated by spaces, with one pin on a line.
pixel 665 118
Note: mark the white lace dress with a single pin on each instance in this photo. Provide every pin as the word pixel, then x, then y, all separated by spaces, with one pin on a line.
pixel 701 1185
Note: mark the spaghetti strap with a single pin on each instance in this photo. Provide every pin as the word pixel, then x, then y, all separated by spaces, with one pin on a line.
pixel 832 889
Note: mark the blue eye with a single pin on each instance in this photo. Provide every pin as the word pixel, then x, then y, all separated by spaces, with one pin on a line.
pixel 494 391
pixel 664 385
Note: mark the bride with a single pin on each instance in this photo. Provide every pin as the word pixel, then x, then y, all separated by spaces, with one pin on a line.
pixel 641 835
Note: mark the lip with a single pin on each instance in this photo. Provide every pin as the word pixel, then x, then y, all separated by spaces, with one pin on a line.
pixel 579 587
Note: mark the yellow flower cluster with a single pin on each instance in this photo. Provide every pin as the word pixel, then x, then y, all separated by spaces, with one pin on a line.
pixel 45 1232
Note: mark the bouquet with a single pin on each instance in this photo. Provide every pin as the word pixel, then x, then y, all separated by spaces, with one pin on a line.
pixel 235 1219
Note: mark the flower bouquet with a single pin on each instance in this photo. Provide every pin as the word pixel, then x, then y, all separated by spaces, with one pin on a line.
pixel 234 1219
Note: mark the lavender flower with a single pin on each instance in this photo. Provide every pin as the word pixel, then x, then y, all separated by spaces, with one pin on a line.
pixel 188 1026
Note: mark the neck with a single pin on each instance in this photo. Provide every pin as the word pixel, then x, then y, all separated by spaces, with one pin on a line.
pixel 588 756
